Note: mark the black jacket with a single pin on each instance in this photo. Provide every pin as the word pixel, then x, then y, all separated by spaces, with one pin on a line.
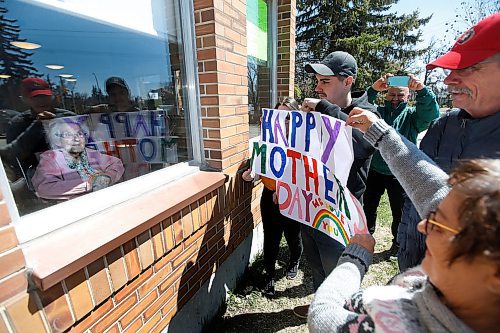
pixel 26 139
pixel 356 183
pixel 457 136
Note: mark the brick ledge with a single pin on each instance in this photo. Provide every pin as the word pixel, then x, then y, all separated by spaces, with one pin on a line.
pixel 58 255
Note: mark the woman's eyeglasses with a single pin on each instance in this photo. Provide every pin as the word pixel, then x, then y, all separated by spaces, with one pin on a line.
pixel 431 224
pixel 67 135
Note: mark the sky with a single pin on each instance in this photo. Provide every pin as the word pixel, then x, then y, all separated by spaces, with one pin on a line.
pixel 83 45
pixel 443 11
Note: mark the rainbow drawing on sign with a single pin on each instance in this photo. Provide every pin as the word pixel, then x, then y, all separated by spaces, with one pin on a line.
pixel 325 214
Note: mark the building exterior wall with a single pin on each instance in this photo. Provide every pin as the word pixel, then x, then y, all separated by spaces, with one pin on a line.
pixel 142 284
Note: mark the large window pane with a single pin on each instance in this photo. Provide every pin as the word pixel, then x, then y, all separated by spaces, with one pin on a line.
pixel 259 59
pixel 91 95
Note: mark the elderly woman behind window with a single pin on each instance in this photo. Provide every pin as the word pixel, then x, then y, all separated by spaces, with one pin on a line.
pixel 70 169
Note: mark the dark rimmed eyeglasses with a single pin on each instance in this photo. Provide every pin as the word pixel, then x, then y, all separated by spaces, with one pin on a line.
pixel 430 224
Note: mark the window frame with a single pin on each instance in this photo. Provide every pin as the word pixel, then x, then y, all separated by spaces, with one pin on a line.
pixel 45 221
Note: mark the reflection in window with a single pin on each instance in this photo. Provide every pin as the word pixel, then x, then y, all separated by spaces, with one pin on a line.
pixel 258 61
pixel 90 95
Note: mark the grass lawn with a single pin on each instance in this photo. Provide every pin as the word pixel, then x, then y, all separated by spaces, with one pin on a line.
pixel 247 310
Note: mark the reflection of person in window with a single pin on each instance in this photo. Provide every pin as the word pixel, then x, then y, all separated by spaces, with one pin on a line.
pixel 119 97
pixel 70 169
pixel 27 128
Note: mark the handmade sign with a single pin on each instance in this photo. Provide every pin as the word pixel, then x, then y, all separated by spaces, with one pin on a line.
pixel 139 139
pixel 309 155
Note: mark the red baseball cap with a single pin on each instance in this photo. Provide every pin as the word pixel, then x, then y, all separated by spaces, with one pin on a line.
pixel 473 46
pixel 33 86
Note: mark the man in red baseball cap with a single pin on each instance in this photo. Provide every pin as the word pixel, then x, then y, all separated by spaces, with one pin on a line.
pixel 470 131
pixel 25 134
pixel 33 86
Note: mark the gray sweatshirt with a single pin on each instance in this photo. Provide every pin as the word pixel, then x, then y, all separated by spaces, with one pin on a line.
pixel 409 303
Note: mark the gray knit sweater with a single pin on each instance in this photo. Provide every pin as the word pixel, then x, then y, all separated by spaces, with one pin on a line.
pixel 409 303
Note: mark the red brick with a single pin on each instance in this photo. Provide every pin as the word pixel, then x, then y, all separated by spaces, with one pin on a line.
pixel 10 262
pixel 13 285
pixel 99 282
pixel 137 310
pixel 4 214
pixel 177 227
pixel 117 269
pixel 3 326
pixel 132 286
pixel 187 222
pixel 79 294
pixel 170 308
pixel 151 323
pixel 93 317
pixel 56 308
pixel 188 254
pixel 114 314
pixel 155 280
pixel 8 239
pixel 171 280
pixel 113 329
pixel 131 259
pixel 24 315
pixel 145 249
pixel 134 328
pixel 157 240
pixel 158 303
pixel 168 258
pixel 195 238
pixel 168 234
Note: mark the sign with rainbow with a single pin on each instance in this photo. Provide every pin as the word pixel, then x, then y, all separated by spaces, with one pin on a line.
pixel 309 155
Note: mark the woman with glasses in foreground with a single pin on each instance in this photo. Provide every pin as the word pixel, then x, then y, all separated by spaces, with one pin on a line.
pixel 457 287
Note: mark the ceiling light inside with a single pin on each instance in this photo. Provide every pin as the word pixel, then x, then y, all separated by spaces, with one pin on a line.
pixel 54 66
pixel 26 45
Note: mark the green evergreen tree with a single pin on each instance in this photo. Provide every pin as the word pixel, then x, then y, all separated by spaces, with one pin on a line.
pixel 13 61
pixel 379 40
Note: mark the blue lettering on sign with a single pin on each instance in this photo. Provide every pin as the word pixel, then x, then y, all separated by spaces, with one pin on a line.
pixel 142 148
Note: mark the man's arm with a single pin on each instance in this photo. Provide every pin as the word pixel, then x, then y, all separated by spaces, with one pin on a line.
pixel 426 110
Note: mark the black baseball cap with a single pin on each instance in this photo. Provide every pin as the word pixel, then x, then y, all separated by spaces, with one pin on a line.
pixel 116 81
pixel 336 63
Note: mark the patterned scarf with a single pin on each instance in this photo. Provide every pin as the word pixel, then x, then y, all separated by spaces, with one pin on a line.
pixel 80 164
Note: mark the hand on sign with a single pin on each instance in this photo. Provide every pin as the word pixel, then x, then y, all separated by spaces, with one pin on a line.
pixel 275 198
pixel 44 115
pixel 309 104
pixel 365 240
pixel 361 119
pixel 247 175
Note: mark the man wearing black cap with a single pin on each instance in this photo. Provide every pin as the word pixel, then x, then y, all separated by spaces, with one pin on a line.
pixel 471 132
pixel 335 77
pixel 119 95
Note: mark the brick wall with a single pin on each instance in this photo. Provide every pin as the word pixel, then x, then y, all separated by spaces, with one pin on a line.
pixel 286 47
pixel 221 49
pixel 142 284
pixel 138 286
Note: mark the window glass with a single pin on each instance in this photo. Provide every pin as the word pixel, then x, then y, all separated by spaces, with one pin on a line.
pixel 259 60
pixel 90 96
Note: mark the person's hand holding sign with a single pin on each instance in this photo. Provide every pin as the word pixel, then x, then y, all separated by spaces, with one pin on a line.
pixel 365 240
pixel 247 175
pixel 309 104
pixel 361 119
